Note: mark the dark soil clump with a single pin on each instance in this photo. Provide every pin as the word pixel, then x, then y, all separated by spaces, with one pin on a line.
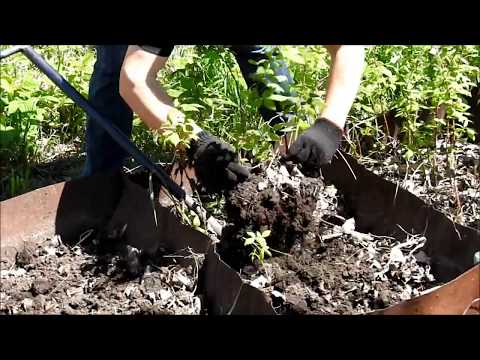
pixel 328 267
pixel 273 200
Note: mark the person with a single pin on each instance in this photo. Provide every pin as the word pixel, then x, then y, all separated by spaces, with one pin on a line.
pixel 124 81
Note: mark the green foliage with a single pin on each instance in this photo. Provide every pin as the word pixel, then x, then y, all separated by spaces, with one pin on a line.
pixel 18 181
pixel 178 133
pixel 207 85
pixel 32 108
pixel 417 83
pixel 257 241
pixel 425 88
pixel 190 218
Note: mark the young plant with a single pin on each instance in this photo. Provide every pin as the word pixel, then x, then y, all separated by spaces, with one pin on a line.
pixel 178 133
pixel 257 240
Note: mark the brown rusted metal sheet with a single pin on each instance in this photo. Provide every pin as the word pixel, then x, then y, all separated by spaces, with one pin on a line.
pixel 26 217
pixel 381 208
pixel 150 226
pixel 458 297
pixel 226 292
pixel 67 209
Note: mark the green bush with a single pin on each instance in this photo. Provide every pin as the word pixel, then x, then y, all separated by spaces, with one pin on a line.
pixel 34 113
pixel 424 89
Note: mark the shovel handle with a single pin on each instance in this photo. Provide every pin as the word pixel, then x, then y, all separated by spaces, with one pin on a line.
pixel 12 50
pixel 119 137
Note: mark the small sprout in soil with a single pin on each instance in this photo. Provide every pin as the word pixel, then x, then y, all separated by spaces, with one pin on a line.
pixel 258 241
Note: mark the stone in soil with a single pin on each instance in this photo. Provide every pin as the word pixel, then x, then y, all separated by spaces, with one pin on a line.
pixel 25 256
pixel 41 286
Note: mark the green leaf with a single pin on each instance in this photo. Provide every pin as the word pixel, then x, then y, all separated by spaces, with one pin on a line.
pixel 174 93
pixel 30 84
pixel 292 54
pixel 173 138
pixel 269 104
pixel 179 128
pixel 368 109
pixel 261 241
pixel 251 234
pixel 51 98
pixel 280 98
pixel 196 221
pixel 409 154
pixel 227 102
pixel 266 233
pixel 249 241
pixel 5 85
pixel 318 102
pixel 13 106
pixel 471 134
pixel 260 70
pixel 275 87
pixel 281 78
pixel 87 59
pixel 387 72
pixel 191 107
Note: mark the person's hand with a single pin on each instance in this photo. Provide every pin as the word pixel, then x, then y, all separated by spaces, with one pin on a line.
pixel 215 163
pixel 316 146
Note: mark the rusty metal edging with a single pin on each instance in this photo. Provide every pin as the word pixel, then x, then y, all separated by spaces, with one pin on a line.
pixel 380 207
pixel 459 296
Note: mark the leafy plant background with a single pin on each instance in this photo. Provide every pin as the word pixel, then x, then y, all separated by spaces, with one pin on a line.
pixel 410 98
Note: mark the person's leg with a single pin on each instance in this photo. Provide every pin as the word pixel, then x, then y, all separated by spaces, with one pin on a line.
pixel 102 151
pixel 243 55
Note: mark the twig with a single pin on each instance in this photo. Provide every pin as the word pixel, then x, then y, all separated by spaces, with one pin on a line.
pixel 280 252
pixel 84 236
pixel 346 162
pixel 396 192
pixel 359 236
pixel 339 217
pixel 152 198
pixel 329 223
pixel 229 312
pixel 406 175
pixel 355 253
pixel 129 171
pixel 415 249
pixel 352 289
pixel 196 269
pixel 201 205
pixel 382 237
pixel 331 236
pixel 406 232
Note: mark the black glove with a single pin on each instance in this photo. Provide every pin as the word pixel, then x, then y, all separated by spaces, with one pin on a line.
pixel 215 163
pixel 316 146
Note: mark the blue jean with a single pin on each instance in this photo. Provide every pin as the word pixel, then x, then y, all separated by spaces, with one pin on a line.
pixel 103 153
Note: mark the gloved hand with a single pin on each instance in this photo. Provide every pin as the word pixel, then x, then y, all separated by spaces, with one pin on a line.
pixel 316 146
pixel 215 163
